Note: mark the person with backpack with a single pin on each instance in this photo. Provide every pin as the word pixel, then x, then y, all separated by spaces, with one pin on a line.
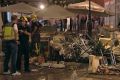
pixel 10 38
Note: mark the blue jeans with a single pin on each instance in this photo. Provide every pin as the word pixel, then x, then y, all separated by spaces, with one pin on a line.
pixel 11 49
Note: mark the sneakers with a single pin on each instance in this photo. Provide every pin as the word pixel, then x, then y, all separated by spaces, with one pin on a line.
pixel 6 73
pixel 16 73
pixel 13 74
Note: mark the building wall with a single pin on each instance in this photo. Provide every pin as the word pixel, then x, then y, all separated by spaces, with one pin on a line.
pixel 100 2
pixel 110 5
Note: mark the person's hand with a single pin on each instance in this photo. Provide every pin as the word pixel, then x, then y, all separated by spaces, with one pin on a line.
pixel 21 31
pixel 27 33
pixel 17 42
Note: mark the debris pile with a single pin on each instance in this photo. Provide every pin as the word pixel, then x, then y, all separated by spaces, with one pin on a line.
pixel 108 70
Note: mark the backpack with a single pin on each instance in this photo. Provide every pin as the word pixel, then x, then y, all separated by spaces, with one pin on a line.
pixel 8 32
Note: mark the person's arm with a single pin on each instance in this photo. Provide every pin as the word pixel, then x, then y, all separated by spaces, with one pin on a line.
pixel 27 33
pixel 35 28
pixel 15 28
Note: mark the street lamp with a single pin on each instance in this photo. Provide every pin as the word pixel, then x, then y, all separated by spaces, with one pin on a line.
pixel 89 23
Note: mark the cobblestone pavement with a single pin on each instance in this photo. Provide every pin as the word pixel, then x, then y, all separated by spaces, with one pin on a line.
pixel 59 74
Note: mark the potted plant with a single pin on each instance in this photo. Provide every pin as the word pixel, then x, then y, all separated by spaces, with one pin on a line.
pixel 98 50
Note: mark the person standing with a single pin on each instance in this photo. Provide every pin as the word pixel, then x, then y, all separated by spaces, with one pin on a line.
pixel 24 33
pixel 36 28
pixel 10 37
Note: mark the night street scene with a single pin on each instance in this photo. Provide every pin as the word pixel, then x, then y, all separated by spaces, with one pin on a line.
pixel 59 39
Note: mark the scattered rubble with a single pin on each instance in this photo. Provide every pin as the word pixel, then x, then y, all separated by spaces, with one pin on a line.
pixel 108 70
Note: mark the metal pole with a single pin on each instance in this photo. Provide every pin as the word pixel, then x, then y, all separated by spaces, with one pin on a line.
pixel 89 9
pixel 109 10
pixel 89 24
pixel 115 15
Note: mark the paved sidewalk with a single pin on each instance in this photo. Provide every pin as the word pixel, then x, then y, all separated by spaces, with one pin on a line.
pixel 59 74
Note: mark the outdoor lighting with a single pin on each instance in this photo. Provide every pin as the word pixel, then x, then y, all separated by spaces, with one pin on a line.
pixel 42 6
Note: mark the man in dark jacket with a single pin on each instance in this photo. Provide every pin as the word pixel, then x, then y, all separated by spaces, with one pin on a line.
pixel 24 36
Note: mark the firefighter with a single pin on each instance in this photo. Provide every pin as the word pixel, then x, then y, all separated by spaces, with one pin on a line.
pixel 24 35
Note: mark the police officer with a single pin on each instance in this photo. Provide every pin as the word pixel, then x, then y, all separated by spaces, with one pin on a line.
pixel 10 36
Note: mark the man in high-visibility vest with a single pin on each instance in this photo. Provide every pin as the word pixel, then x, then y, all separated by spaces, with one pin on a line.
pixel 10 37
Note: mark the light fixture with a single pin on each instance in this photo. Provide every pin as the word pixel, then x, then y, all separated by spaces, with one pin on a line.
pixel 42 6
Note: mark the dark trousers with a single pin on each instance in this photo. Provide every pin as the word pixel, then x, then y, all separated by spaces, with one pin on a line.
pixel 23 50
pixel 57 55
pixel 11 49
